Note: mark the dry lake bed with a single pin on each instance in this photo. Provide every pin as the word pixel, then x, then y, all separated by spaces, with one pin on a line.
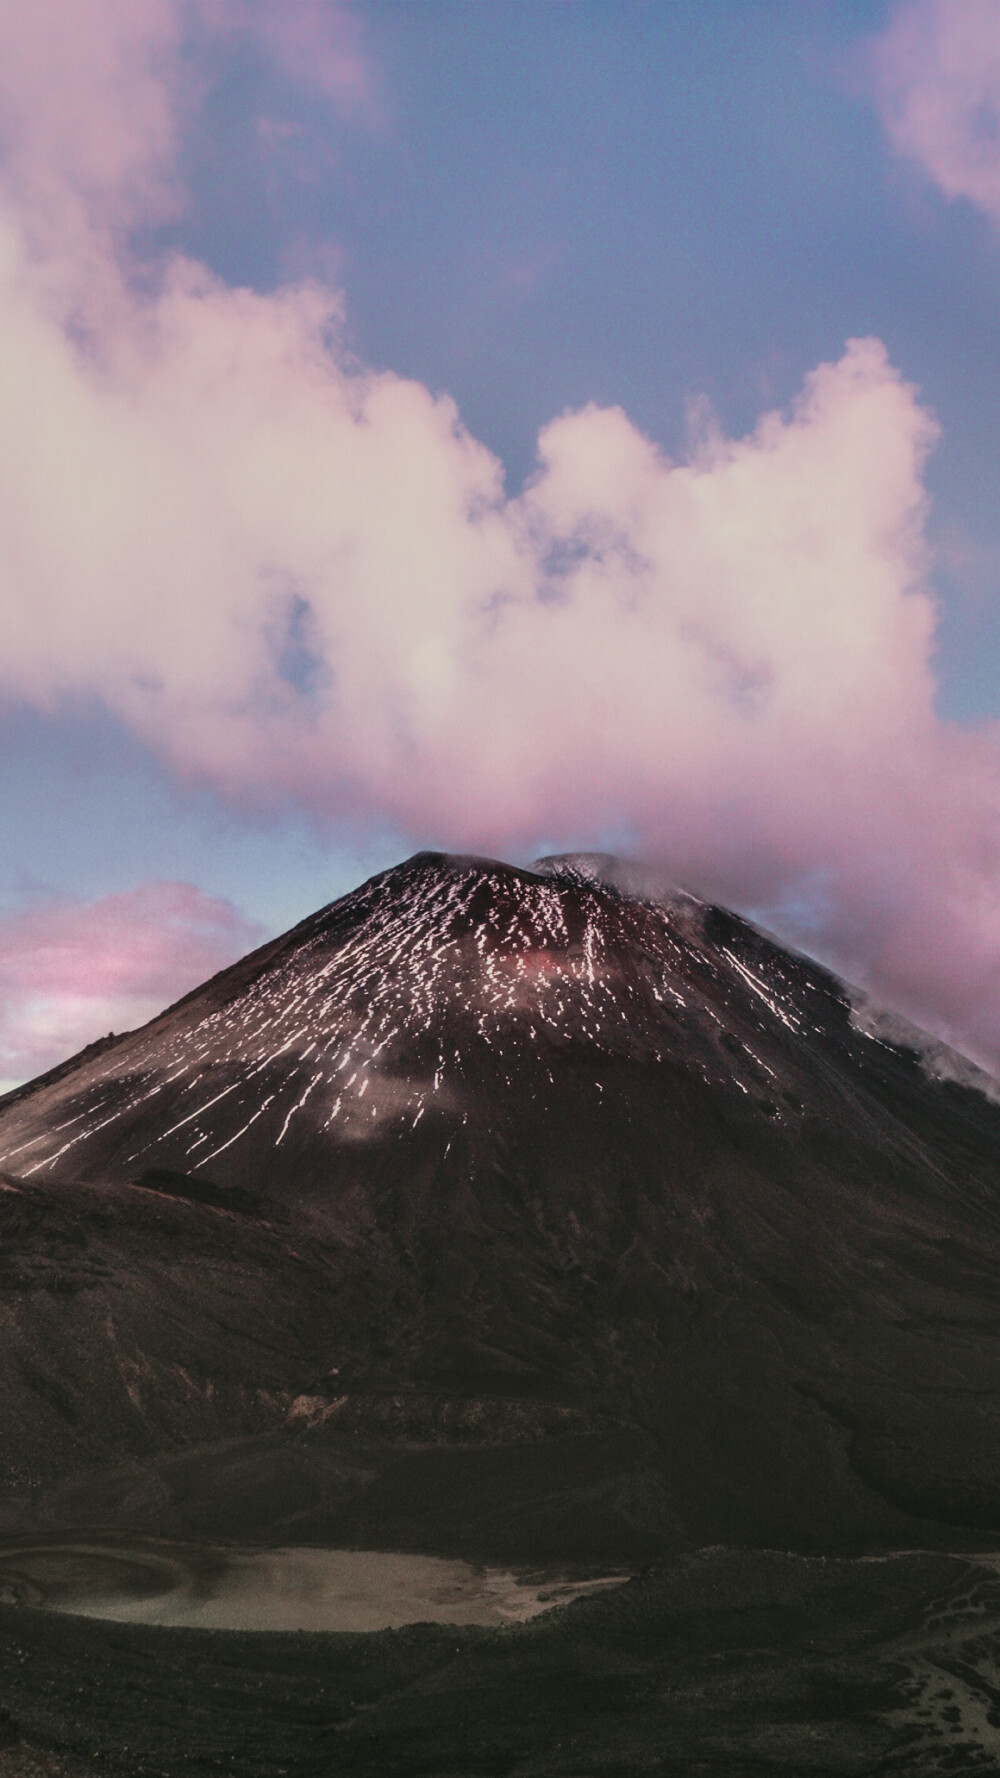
pixel 211 1587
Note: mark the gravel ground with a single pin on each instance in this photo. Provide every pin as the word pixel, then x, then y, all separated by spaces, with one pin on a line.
pixel 727 1664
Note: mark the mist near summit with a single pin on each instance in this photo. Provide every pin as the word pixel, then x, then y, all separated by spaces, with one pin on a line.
pixel 302 582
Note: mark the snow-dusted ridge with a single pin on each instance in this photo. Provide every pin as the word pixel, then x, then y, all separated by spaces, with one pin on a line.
pixel 394 1006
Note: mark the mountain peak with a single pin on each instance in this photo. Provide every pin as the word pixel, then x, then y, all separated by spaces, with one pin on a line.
pixel 386 1007
pixel 438 988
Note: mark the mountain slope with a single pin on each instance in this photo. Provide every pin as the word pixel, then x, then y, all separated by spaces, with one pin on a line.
pixel 480 1158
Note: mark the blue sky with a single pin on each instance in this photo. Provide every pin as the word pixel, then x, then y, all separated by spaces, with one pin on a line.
pixel 531 207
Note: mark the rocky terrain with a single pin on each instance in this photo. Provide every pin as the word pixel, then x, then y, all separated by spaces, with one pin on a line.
pixel 520 1217
pixel 727 1663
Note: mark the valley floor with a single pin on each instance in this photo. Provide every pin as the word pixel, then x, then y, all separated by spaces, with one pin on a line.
pixel 725 1664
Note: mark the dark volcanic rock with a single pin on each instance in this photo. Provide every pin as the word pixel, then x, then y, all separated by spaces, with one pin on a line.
pixel 607 1194
pixel 727 1664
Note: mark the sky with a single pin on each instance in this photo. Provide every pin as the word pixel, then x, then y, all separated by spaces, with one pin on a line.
pixel 503 427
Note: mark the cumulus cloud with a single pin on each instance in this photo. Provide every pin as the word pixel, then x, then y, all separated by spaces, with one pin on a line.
pixel 70 971
pixel 937 73
pixel 298 580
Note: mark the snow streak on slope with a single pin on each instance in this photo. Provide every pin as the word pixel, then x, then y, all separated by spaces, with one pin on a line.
pixel 379 1010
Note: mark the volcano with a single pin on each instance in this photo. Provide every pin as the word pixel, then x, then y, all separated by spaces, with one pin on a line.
pixel 499 1225
pixel 510 1216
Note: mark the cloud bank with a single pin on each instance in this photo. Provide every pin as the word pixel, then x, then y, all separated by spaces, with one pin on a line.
pixel 301 581
pixel 72 971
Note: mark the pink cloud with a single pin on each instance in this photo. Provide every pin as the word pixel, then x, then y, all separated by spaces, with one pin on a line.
pixel 91 106
pixel 71 971
pixel 94 95
pixel 301 581
pixel 318 44
pixel 937 74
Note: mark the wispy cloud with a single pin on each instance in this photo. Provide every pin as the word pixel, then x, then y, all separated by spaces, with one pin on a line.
pixel 317 43
pixel 71 971
pixel 95 94
pixel 937 78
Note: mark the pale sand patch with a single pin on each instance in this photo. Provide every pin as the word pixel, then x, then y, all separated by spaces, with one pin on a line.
pixel 213 1588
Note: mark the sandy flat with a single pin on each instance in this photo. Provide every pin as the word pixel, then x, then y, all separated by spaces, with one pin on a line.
pixel 214 1588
